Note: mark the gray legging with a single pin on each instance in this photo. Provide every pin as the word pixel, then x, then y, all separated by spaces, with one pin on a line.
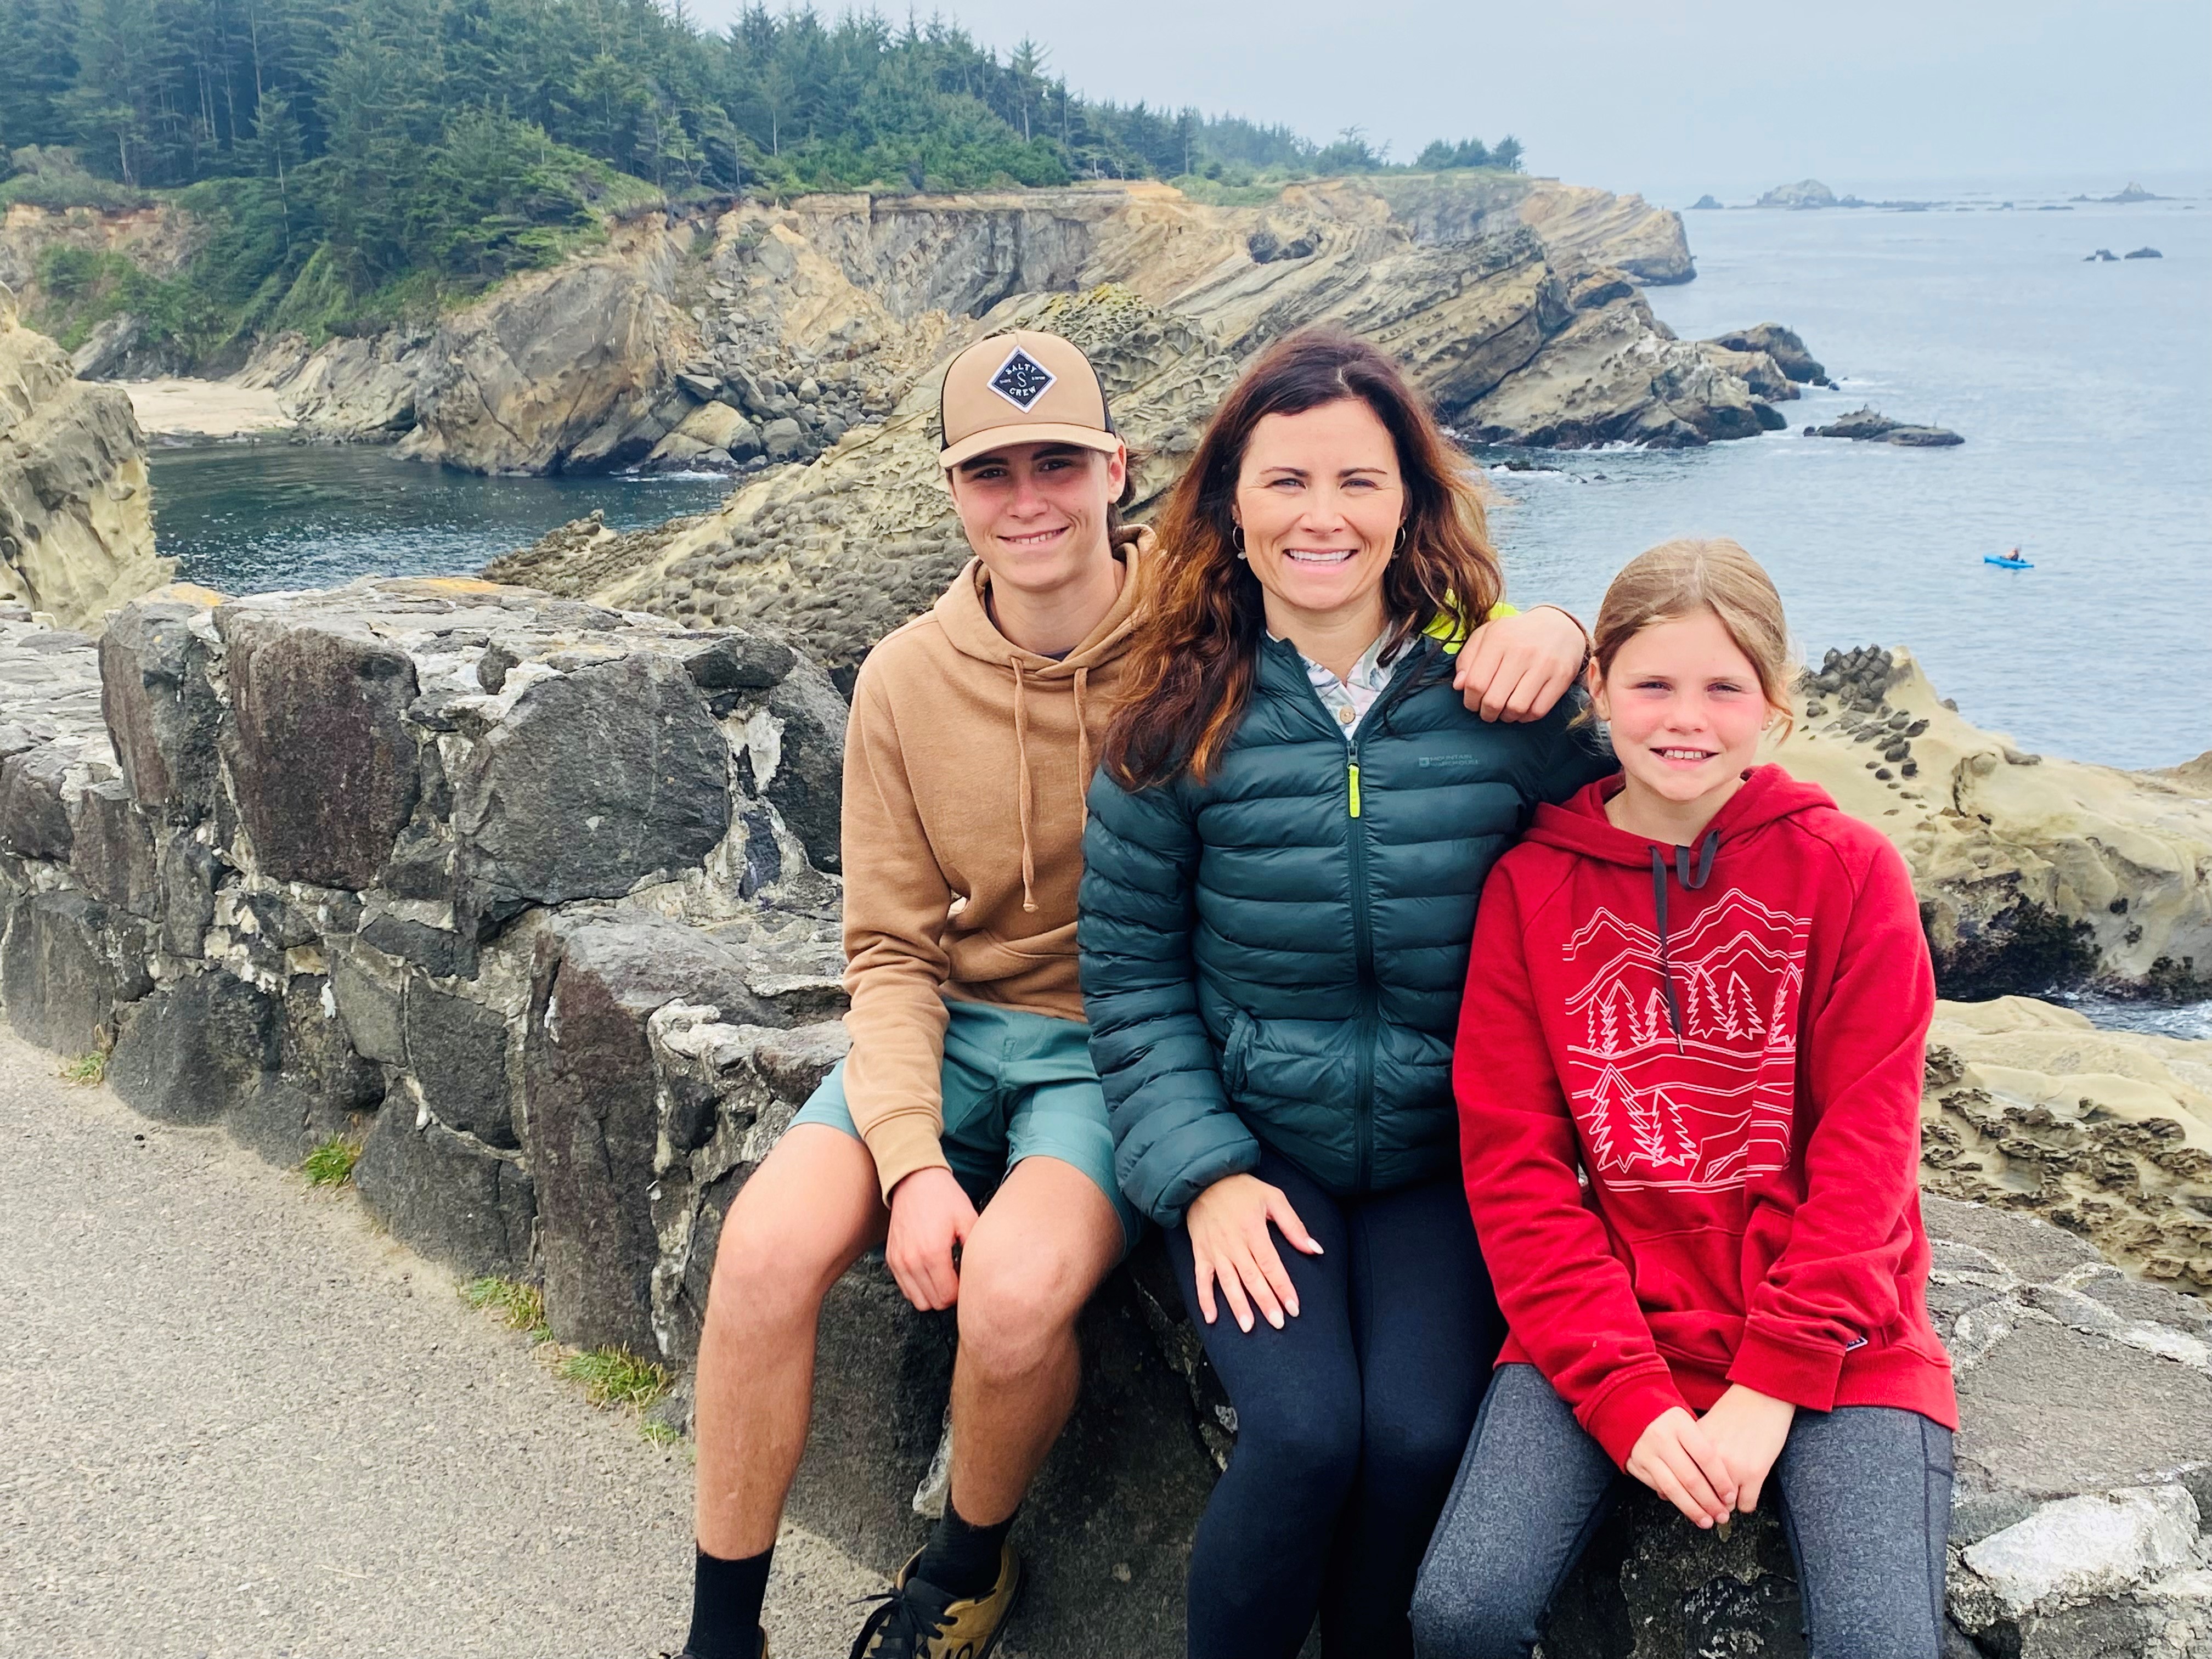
pixel 1866 1500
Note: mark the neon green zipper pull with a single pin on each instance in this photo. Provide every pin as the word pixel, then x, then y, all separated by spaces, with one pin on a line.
pixel 1354 770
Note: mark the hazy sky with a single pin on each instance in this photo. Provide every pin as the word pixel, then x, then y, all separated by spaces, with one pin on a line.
pixel 1729 95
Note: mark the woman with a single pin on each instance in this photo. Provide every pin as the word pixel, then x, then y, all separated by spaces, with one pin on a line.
pixel 1689 1081
pixel 1294 815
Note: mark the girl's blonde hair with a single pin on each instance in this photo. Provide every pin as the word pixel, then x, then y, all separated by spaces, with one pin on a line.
pixel 1679 578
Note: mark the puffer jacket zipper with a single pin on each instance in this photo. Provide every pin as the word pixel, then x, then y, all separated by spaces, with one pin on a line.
pixel 1366 994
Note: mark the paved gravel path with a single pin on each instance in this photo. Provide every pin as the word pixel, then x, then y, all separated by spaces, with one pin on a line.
pixel 235 1418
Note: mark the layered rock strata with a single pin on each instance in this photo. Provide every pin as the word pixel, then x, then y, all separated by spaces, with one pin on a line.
pixel 804 322
pixel 76 526
pixel 1517 340
pixel 535 900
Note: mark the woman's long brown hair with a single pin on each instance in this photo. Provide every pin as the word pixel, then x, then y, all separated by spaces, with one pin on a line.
pixel 1194 658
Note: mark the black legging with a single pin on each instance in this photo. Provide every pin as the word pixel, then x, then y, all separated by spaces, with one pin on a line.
pixel 1350 1423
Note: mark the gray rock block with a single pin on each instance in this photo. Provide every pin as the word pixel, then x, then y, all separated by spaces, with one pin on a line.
pixel 368 999
pixel 592 1120
pixel 596 779
pixel 275 1119
pixel 188 872
pixel 34 822
pixel 456 1050
pixel 193 1050
pixel 782 439
pixel 161 711
pixel 455 1199
pixel 323 762
pixel 808 785
pixel 57 985
pixel 111 848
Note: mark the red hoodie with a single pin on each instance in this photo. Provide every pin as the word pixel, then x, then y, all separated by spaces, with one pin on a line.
pixel 1726 1040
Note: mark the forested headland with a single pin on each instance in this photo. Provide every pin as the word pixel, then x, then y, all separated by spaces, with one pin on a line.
pixel 357 160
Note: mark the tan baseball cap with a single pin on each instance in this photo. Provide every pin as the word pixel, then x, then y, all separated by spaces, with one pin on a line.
pixel 1021 388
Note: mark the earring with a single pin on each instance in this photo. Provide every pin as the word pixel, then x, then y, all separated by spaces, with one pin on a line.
pixel 1236 541
pixel 1399 546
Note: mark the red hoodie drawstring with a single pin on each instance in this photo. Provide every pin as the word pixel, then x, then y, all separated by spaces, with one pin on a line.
pixel 1711 845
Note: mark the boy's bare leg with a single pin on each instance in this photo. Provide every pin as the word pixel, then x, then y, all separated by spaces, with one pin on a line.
pixel 1043 1244
pixel 803 1217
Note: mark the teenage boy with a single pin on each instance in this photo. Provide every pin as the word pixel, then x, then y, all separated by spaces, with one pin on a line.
pixel 966 1117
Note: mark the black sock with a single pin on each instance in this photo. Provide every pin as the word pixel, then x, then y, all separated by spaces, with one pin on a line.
pixel 962 1558
pixel 726 1606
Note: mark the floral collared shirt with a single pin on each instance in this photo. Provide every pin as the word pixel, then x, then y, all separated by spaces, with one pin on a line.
pixel 1348 699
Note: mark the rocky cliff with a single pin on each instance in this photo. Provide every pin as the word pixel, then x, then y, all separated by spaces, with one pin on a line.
pixel 1517 338
pixel 807 321
pixel 535 901
pixel 77 527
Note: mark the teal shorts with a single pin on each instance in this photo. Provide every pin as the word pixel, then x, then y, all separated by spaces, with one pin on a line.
pixel 1016 1085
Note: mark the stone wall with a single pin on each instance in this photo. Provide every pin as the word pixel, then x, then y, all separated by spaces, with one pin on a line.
pixel 538 900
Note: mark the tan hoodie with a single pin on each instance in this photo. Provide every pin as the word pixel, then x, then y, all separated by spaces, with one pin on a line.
pixel 967 760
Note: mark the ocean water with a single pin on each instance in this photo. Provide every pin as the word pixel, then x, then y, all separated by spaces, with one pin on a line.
pixel 263 517
pixel 2079 388
pixel 2081 391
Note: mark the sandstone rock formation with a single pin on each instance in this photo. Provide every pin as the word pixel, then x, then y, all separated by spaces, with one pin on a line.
pixel 2030 1107
pixel 807 321
pixel 1780 344
pixel 1519 338
pixel 534 898
pixel 2033 872
pixel 77 529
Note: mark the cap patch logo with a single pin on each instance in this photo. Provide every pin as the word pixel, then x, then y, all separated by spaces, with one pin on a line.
pixel 1021 379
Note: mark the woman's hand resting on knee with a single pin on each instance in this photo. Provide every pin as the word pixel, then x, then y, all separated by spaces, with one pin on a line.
pixel 1677 1459
pixel 931 1216
pixel 1229 1241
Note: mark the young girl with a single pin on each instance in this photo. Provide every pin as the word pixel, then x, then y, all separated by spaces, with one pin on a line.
pixel 1688 1072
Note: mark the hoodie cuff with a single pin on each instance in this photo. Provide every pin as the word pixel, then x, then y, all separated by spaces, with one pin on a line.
pixel 1803 1374
pixel 1616 1418
pixel 901 1146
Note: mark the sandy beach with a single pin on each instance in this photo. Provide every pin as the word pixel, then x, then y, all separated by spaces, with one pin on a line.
pixel 174 407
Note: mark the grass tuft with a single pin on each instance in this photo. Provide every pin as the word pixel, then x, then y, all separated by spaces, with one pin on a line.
pixel 86 1071
pixel 331 1164
pixel 657 1432
pixel 519 1307
pixel 613 1376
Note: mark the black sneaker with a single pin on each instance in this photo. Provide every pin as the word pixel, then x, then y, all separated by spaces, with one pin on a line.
pixel 917 1620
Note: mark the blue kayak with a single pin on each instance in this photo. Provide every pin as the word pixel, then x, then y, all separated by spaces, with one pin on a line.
pixel 2003 563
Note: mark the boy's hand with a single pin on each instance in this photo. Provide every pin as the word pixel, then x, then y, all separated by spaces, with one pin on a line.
pixel 1678 1459
pixel 1748 1428
pixel 1515 668
pixel 930 1215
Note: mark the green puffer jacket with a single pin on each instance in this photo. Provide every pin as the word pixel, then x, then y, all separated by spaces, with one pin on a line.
pixel 1277 955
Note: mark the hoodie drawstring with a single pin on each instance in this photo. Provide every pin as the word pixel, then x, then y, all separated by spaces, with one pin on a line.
pixel 1691 884
pixel 1082 755
pixel 1022 756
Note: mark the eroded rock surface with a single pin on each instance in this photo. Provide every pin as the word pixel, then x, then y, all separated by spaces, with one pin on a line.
pixel 2029 1107
pixel 2033 872
pixel 76 526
